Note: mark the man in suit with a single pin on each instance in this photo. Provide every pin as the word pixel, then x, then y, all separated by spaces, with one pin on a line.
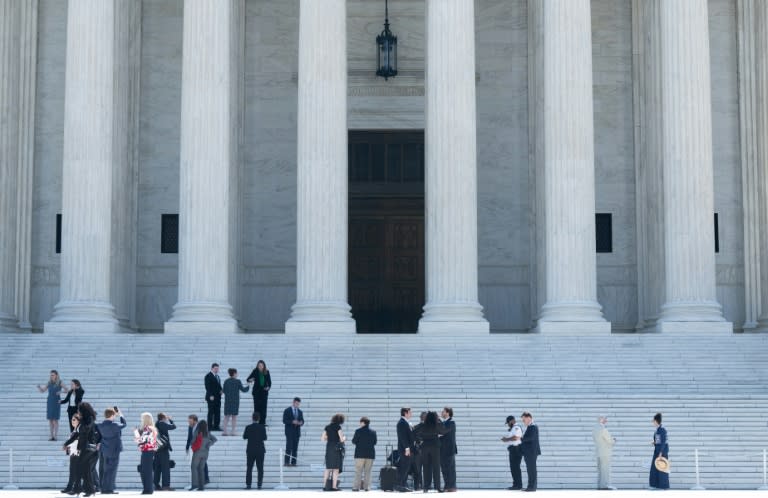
pixel 405 443
pixel 604 448
pixel 110 448
pixel 213 392
pixel 448 450
pixel 531 449
pixel 162 465
pixel 191 436
pixel 293 419
pixel 255 434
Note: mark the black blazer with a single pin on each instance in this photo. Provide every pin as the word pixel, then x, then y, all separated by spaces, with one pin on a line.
pixel 212 387
pixel 163 426
pixel 404 436
pixel 365 441
pixel 257 389
pixel 79 392
pixel 255 434
pixel 190 437
pixel 530 442
pixel 448 440
pixel 290 427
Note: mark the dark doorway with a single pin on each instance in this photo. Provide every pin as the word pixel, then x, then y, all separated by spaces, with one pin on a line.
pixel 386 229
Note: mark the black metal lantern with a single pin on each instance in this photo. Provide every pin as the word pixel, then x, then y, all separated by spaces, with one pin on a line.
pixel 386 44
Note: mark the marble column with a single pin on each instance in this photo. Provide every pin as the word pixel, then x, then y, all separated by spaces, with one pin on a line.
pixel 207 165
pixel 649 195
pixel 760 111
pixel 451 171
pixel 321 262
pixel 9 129
pixel 87 171
pixel 569 173
pixel 691 295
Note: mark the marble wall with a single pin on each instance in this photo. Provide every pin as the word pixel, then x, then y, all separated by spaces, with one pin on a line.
pixel 268 169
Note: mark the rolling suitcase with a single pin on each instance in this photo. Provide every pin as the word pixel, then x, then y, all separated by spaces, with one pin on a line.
pixel 388 474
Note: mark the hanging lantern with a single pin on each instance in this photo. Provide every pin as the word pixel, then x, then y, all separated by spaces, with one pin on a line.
pixel 386 43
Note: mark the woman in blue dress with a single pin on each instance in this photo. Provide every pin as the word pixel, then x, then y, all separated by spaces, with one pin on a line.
pixel 658 479
pixel 53 409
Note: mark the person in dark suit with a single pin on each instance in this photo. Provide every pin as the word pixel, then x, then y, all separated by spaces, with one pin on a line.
pixel 531 449
pixel 213 392
pixel 255 434
pixel 262 383
pixel 77 389
pixel 293 419
pixel 448 450
pixel 162 466
pixel 191 436
pixel 429 434
pixel 405 443
pixel 110 448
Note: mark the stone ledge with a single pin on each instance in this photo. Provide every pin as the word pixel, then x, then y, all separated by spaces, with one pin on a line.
pixel 573 328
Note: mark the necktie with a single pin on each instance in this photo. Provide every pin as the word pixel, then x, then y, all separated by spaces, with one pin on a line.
pixel 295 413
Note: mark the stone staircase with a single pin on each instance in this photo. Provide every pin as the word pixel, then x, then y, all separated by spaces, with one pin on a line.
pixel 711 389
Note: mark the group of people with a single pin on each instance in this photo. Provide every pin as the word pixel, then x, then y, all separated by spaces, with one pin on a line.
pixel 425 450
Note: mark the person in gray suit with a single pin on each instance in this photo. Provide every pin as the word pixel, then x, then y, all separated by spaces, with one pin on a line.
pixel 604 449
pixel 110 448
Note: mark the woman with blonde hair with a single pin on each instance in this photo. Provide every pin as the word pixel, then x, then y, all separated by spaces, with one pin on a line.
pixel 146 439
pixel 53 407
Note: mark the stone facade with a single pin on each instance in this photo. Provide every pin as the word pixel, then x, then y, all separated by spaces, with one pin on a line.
pixel 509 263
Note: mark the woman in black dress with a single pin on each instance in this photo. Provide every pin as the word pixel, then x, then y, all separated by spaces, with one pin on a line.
pixel 428 433
pixel 77 389
pixel 334 451
pixel 262 382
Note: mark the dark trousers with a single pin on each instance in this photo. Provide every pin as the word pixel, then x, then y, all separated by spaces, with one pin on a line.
pixel 402 470
pixel 258 459
pixel 291 447
pixel 146 465
pixel 108 471
pixel 85 464
pixel 530 466
pixel 162 468
pixel 448 466
pixel 95 475
pixel 214 412
pixel 260 405
pixel 74 475
pixel 418 466
pixel 515 457
pixel 430 457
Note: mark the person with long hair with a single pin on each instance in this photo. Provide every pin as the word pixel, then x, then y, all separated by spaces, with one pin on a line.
pixel 262 382
pixel 146 439
pixel 77 389
pixel 54 387
pixel 428 433
pixel 74 486
pixel 334 451
pixel 88 440
pixel 200 449
pixel 232 389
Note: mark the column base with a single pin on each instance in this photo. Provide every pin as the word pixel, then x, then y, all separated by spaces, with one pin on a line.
pixel 8 322
pixel 573 328
pixel 73 317
pixel 203 317
pixel 77 328
pixel 669 327
pixel 321 318
pixel 443 328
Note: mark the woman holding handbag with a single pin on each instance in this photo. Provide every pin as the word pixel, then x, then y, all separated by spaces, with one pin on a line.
pixel 334 452
pixel 200 448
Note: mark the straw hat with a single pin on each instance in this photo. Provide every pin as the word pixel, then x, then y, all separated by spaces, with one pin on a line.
pixel 662 464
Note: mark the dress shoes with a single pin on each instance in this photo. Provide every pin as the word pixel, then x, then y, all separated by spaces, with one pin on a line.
pixel 530 489
pixel 450 490
pixel 515 488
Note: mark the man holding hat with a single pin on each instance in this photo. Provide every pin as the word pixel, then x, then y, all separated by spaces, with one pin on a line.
pixel 604 449
pixel 513 438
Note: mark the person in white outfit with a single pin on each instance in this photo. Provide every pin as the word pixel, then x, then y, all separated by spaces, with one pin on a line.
pixel 604 449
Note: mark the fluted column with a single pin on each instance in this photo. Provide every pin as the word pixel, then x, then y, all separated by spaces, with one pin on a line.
pixel 451 171
pixel 761 145
pixel 569 173
pixel 206 166
pixel 87 170
pixel 691 297
pixel 321 237
pixel 9 127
